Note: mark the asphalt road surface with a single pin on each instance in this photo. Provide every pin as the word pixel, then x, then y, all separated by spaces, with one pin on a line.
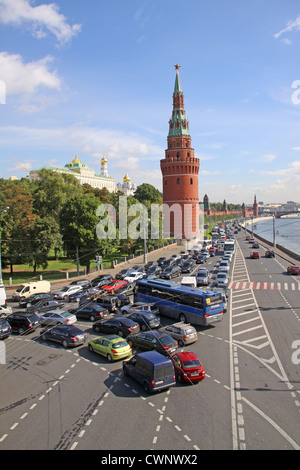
pixel 72 399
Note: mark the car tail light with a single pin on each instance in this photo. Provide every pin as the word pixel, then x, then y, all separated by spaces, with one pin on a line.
pixel 73 338
pixel 114 351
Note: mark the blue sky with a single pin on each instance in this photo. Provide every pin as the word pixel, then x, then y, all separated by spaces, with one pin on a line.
pixel 94 77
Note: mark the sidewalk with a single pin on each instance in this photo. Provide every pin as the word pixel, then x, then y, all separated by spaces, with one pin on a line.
pixel 167 251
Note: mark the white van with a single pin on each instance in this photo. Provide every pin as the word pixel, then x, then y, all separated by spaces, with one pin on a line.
pixel 26 290
pixel 3 301
pixel 189 281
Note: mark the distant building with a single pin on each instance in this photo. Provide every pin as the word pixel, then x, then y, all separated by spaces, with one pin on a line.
pixel 83 173
pixel 127 187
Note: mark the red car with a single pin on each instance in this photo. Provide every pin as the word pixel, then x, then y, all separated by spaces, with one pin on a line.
pixel 255 255
pixel 293 269
pixel 114 285
pixel 187 367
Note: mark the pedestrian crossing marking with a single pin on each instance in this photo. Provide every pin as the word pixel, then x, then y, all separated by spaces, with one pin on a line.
pixel 237 285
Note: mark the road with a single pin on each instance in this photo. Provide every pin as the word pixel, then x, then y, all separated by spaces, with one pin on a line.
pixel 72 399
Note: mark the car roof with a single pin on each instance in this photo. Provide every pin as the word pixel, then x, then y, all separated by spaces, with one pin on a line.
pixel 186 355
pixel 154 356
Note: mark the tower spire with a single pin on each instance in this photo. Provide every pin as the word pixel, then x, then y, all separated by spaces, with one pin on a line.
pixel 180 171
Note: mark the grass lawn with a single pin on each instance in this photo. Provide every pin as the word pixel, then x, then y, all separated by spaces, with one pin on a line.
pixel 55 269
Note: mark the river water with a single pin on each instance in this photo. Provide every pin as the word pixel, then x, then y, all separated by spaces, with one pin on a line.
pixel 287 232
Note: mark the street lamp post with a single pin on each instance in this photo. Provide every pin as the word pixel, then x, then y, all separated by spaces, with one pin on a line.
pixel 3 211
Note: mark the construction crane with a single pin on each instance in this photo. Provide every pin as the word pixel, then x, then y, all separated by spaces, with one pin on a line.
pixel 19 164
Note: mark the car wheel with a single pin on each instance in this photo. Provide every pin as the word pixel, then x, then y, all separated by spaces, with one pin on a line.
pixel 96 328
pixel 180 343
pixel 21 330
pixel 120 333
pixel 130 343
pixel 146 387
pixel 44 338
pixel 182 317
pixel 144 327
pixel 109 358
pixel 91 348
pixel 65 343
pixel 92 318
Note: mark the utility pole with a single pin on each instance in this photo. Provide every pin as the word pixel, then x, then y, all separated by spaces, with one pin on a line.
pixel 274 242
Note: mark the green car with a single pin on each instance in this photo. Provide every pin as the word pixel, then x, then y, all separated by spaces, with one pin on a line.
pixel 111 346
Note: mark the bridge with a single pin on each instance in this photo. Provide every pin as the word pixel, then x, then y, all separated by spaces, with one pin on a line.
pixel 280 213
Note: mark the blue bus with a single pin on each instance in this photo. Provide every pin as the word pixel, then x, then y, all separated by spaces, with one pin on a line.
pixel 183 303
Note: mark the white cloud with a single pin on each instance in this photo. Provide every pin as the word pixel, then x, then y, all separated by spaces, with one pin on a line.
pixel 292 25
pixel 40 19
pixel 267 157
pixel 20 77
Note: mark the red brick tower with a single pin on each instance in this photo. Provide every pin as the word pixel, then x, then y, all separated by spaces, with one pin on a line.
pixel 180 173
pixel 255 207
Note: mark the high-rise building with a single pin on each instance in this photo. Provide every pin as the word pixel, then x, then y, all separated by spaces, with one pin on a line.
pixel 180 171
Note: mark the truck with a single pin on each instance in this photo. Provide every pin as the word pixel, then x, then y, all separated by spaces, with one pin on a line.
pixel 26 290
pixel 189 281
pixel 3 300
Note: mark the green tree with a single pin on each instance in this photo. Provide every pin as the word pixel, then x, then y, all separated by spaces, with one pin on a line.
pixel 78 221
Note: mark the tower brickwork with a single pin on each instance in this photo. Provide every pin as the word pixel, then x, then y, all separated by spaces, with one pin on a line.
pixel 180 170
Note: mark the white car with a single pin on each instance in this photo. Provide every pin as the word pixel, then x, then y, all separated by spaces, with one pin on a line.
pixel 221 277
pixel 66 291
pixel 223 266
pixel 58 317
pixel 134 276
pixel 5 310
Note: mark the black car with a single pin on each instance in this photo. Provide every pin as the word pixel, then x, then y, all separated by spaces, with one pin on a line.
pixel 5 329
pixel 90 311
pixel 110 302
pixel 123 273
pixel 270 254
pixel 65 335
pixel 200 259
pixel 170 272
pixel 129 289
pixel 146 320
pixel 153 339
pixel 101 280
pixel 151 264
pixel 161 260
pixel 154 270
pixel 121 326
pixel 34 299
pixel 187 267
pixel 23 322
pixel 45 306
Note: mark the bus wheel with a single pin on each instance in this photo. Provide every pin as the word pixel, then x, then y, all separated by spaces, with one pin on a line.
pixel 182 317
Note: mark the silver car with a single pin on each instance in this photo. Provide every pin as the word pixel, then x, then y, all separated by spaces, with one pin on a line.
pixel 58 317
pixel 184 333
pixel 140 307
pixel 64 293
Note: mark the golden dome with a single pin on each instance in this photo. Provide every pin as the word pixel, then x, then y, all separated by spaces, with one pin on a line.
pixel 126 179
pixel 103 160
pixel 76 160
